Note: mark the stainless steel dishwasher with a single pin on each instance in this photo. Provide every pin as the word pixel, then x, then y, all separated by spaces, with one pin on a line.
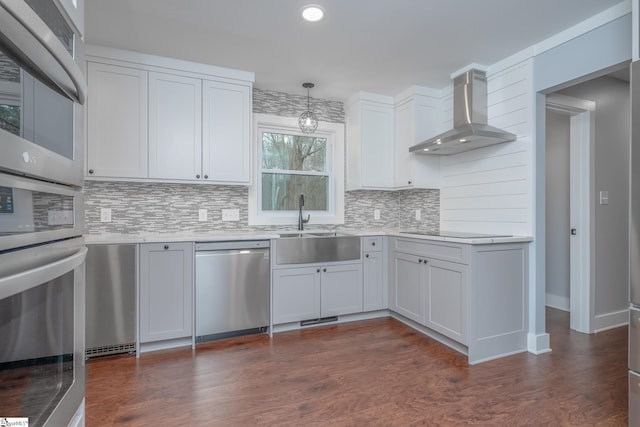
pixel 232 289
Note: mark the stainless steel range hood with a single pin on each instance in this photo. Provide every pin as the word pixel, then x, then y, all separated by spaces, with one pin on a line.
pixel 470 128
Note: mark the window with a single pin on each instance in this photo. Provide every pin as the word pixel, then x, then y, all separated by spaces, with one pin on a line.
pixel 290 163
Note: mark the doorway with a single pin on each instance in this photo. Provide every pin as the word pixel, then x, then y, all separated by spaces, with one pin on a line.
pixel 569 165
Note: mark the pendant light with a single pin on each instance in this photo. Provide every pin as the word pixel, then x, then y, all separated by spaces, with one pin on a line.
pixel 308 121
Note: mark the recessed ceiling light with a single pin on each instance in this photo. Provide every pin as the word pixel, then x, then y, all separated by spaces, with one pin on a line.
pixel 312 13
pixel 463 140
pixel 426 149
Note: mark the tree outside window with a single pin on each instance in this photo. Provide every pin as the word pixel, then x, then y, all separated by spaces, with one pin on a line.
pixel 293 165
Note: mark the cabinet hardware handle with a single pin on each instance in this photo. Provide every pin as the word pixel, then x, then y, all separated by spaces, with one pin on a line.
pixel 419 261
pixel 573 231
pixel 409 182
pixel 198 176
pixel 366 256
pixel 166 247
pixel 324 270
pixel 318 271
pixel 373 243
pixel 206 177
pixel 91 171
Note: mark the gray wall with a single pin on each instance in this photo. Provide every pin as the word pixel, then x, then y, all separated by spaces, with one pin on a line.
pixel 557 210
pixel 611 173
pixel 169 208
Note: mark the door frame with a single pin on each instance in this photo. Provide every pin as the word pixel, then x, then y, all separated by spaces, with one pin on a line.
pixel 581 184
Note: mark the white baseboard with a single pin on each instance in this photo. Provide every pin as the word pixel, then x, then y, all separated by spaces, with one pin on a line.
pixel 558 302
pixel 538 344
pixel 615 319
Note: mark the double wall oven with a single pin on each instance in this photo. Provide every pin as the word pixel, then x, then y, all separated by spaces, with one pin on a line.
pixel 42 252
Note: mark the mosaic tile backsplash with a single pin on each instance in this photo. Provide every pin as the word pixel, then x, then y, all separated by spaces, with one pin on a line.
pixel 171 208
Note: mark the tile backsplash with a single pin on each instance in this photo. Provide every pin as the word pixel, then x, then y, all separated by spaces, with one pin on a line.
pixel 170 208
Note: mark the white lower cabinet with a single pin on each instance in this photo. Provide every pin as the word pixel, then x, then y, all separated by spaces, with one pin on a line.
pixel 431 292
pixel 407 294
pixel 296 294
pixel 373 281
pixel 446 298
pixel 166 286
pixel 304 293
pixel 475 295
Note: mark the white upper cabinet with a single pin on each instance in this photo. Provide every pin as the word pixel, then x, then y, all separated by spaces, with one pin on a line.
pixel 417 117
pixel 117 121
pixel 380 130
pixel 226 132
pixel 165 120
pixel 370 123
pixel 175 127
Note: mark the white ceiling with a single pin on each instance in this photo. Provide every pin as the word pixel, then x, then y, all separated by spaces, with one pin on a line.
pixel 380 46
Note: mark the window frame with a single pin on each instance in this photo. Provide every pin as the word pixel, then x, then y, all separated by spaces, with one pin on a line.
pixel 334 135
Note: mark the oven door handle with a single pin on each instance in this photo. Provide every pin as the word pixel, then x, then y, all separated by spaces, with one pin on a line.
pixel 20 282
pixel 27 40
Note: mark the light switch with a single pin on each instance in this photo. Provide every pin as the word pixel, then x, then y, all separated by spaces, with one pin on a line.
pixel 418 214
pixel 604 197
pixel 202 215
pixel 376 214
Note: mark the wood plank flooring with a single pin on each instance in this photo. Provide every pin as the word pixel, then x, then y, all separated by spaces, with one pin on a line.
pixel 370 373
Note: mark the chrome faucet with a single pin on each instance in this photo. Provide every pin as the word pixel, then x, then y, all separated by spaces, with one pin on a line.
pixel 302 221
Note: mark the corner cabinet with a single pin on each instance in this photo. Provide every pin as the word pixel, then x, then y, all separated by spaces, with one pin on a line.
pixel 473 295
pixel 165 295
pixel 417 117
pixel 369 127
pixel 164 120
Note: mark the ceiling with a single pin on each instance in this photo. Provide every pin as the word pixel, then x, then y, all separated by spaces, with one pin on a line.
pixel 380 46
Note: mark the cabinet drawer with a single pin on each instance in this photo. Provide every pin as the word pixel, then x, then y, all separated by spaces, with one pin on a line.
pixel 440 250
pixel 372 244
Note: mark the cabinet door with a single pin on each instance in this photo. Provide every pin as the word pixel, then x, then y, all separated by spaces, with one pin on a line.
pixel 408 291
pixel 175 127
pixel 377 146
pixel 296 294
pixel 446 299
pixel 166 283
pixel 117 118
pixel 404 138
pixel 341 290
pixel 373 281
pixel 226 132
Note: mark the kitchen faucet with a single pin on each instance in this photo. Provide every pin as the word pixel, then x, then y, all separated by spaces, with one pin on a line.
pixel 302 221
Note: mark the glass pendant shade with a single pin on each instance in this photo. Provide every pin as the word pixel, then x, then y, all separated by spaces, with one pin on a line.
pixel 308 121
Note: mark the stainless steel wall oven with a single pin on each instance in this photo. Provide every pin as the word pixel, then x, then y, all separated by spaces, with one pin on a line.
pixel 42 252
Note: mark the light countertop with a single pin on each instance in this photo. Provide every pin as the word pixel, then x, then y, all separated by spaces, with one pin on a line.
pixel 213 236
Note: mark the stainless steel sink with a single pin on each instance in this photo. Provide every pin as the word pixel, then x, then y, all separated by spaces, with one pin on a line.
pixel 304 248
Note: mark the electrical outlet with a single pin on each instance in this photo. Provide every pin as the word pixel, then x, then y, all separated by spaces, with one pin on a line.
pixel 202 215
pixel 60 217
pixel 231 214
pixel 105 214
pixel 418 214
pixel 376 214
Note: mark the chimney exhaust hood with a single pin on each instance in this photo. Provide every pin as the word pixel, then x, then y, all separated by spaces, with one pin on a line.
pixel 470 128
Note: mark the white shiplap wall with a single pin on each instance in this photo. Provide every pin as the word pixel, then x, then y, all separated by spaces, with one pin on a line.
pixel 489 190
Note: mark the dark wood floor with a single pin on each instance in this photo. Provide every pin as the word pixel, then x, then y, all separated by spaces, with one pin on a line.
pixel 370 373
